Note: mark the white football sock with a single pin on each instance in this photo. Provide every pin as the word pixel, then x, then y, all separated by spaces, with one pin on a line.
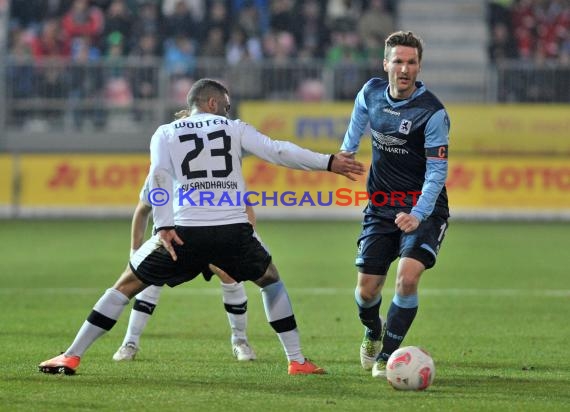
pixel 105 312
pixel 138 319
pixel 235 301
pixel 278 307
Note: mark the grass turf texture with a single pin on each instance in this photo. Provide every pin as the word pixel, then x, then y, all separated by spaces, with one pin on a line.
pixel 493 313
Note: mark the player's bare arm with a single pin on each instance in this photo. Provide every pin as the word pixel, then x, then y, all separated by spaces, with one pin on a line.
pixel 139 224
pixel 343 163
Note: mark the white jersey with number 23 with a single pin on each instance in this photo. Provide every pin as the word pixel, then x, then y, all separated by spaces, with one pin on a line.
pixel 196 170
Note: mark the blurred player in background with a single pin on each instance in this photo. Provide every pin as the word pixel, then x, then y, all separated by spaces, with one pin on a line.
pixel 233 294
pixel 204 151
pixel 410 128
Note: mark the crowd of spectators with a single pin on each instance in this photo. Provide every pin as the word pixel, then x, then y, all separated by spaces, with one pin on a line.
pixel 179 34
pixel 529 30
pixel 530 46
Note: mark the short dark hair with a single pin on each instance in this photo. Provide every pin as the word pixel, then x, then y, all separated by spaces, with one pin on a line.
pixel 203 89
pixel 403 38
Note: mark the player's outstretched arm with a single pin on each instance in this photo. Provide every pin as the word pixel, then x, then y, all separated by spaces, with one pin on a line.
pixel 139 224
pixel 343 163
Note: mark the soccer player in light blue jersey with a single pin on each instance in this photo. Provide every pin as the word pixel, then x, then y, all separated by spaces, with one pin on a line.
pixel 406 216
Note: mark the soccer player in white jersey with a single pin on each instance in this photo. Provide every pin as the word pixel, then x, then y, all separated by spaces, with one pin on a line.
pixel 233 294
pixel 204 151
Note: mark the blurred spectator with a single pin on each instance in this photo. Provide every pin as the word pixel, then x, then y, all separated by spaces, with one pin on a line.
pixel 524 23
pixel 279 46
pixel 279 78
pixel 147 22
pixel 180 57
pixel 118 22
pixel 114 58
pixel 102 5
pixel 86 84
pixel 84 20
pixel 499 12
pixel 282 15
pixel 214 46
pixel 310 31
pixel 118 93
pixel 540 27
pixel 262 8
pixel 346 56
pixel 502 46
pixel 344 12
pixel 218 17
pixel 50 42
pixel 565 55
pixel 181 22
pixel 311 90
pixel 374 27
pixel 553 27
pixel 240 47
pixel 30 13
pixel 179 90
pixel 346 48
pixel 534 32
pixel 20 74
pixel 249 18
pixel 49 45
pixel 196 7
pixel 144 76
pixel 246 76
pixel 135 6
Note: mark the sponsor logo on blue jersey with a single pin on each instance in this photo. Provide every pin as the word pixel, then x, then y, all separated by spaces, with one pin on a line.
pixel 388 143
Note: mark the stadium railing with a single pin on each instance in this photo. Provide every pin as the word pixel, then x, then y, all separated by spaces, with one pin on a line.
pixel 69 96
pixel 519 81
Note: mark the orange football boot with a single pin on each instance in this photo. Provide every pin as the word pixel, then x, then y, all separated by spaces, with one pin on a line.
pixel 307 368
pixel 60 364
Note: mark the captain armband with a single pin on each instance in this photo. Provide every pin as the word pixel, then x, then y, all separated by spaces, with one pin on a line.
pixel 438 152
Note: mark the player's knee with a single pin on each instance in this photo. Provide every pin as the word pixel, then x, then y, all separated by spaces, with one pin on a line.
pixel 369 287
pixel 129 284
pixel 368 294
pixel 270 276
pixel 407 283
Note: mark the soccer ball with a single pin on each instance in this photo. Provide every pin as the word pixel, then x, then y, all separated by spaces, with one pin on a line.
pixel 410 369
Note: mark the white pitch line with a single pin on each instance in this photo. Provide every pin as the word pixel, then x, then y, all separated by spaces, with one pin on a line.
pixel 562 293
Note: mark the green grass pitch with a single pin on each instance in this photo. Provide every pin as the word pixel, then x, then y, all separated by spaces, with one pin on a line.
pixel 494 313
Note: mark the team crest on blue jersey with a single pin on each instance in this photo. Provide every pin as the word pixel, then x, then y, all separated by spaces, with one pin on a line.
pixel 405 126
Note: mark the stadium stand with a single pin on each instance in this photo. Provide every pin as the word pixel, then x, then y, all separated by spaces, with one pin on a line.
pixel 105 64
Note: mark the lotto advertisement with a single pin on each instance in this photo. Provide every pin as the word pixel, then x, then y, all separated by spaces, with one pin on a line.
pixel 80 180
pixel 488 173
